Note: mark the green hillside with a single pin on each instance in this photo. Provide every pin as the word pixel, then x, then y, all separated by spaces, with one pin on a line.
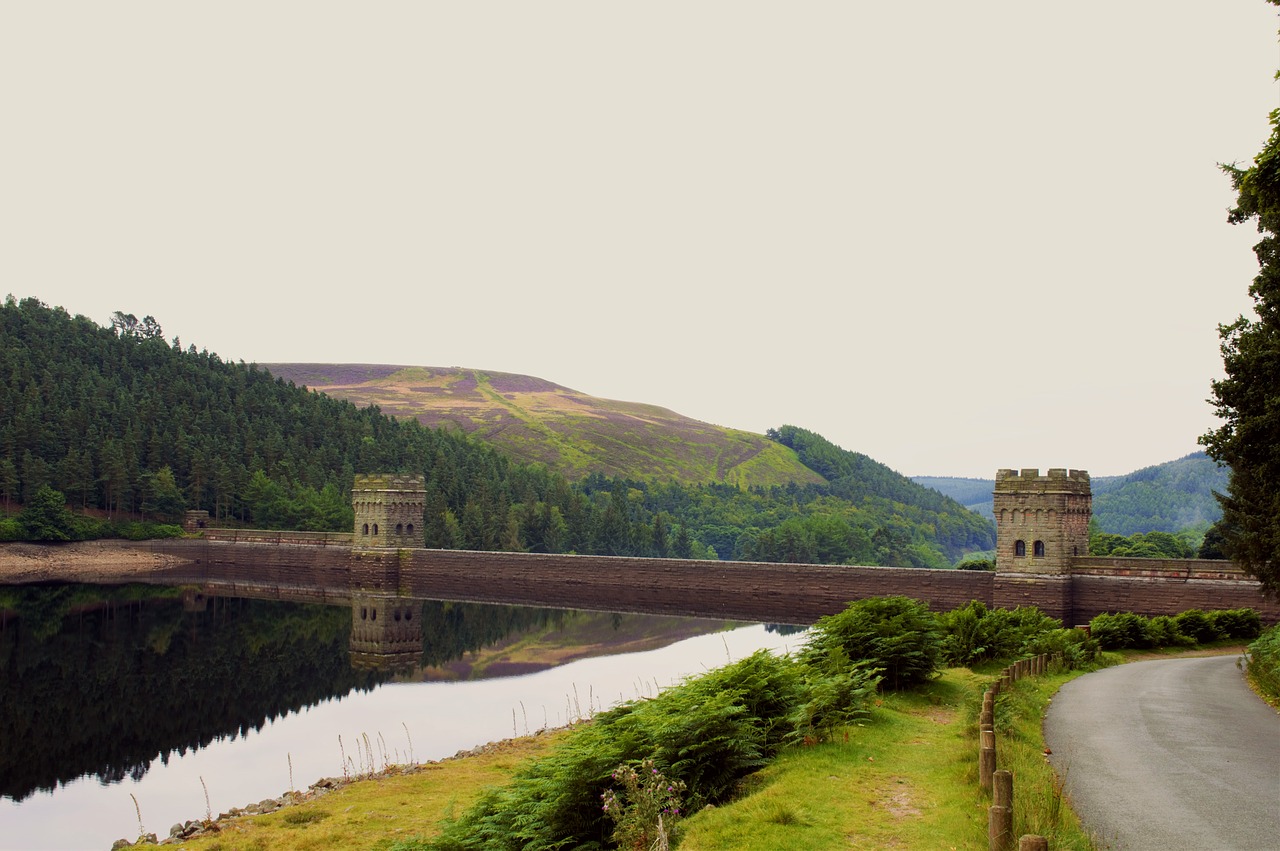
pixel 1162 498
pixel 973 494
pixel 531 419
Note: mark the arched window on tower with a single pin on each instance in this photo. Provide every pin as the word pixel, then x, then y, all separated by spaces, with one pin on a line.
pixel 399 528
pixel 375 528
pixel 365 530
pixel 1039 549
pixel 1020 548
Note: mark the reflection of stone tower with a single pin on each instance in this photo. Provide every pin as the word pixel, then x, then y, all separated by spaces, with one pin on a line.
pixel 1042 522
pixel 386 632
pixel 388 511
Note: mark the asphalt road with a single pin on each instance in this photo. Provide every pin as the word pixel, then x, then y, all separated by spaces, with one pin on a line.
pixel 1169 754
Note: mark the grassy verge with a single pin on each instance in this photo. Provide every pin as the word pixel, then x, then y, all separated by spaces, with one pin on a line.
pixel 376 813
pixel 907 779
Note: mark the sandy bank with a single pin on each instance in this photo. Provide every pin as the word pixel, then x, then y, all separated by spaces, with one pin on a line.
pixel 83 561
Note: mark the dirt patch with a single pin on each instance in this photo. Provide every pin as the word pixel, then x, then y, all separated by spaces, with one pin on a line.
pixel 936 714
pixel 897 800
pixel 84 561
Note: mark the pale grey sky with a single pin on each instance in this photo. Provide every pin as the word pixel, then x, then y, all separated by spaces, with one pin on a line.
pixel 952 236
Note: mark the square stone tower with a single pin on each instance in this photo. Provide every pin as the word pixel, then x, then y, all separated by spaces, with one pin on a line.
pixel 1042 522
pixel 388 511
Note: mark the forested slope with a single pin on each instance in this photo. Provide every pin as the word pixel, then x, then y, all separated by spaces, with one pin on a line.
pixel 1162 498
pixel 122 422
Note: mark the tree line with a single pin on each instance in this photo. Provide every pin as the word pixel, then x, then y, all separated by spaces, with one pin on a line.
pixel 122 424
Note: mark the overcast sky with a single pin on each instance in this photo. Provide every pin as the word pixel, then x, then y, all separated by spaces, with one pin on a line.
pixel 952 236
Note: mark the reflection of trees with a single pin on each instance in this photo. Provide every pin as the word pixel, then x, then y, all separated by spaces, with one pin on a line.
pixel 102 681
pixel 105 687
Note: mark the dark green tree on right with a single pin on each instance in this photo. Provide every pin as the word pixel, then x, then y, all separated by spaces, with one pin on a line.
pixel 1248 399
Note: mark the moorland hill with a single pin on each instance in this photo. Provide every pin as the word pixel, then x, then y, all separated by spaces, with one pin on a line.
pixel 575 434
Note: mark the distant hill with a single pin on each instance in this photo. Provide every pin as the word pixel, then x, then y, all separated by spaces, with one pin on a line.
pixel 575 434
pixel 1162 498
pixel 973 494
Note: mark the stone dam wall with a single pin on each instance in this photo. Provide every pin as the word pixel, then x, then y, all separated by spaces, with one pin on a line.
pixel 776 593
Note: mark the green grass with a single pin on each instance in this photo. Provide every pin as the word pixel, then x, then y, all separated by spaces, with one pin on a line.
pixel 374 814
pixel 906 779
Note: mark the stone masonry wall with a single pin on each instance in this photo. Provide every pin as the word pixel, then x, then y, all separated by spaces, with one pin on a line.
pixel 779 593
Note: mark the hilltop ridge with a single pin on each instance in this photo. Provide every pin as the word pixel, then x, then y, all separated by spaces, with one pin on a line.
pixel 573 433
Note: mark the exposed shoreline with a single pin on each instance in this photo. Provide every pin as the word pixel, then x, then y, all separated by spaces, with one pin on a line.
pixel 81 561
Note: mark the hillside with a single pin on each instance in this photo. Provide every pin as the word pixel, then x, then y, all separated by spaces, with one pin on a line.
pixel 573 433
pixel 973 494
pixel 1161 498
pixel 120 423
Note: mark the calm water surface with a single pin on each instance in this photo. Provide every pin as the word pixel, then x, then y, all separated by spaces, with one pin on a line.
pixel 113 692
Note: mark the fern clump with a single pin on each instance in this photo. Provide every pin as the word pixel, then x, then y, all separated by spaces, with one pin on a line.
pixel 975 634
pixel 898 636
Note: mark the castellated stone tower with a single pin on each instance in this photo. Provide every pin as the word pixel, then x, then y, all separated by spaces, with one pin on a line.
pixel 1042 522
pixel 388 511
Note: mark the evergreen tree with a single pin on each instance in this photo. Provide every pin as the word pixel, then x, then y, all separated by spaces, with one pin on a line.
pixel 1248 399
pixel 45 516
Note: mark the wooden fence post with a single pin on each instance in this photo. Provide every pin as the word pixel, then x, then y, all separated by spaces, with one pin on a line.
pixel 1000 816
pixel 1003 786
pixel 1031 842
pixel 986 757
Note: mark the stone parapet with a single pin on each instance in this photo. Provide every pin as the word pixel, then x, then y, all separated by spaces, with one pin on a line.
pixel 1157 568
pixel 272 536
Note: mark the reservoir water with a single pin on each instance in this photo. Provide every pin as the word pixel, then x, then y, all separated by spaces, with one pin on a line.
pixel 111 695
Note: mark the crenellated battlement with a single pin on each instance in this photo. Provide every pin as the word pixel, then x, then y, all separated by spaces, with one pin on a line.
pixel 387 482
pixel 1031 476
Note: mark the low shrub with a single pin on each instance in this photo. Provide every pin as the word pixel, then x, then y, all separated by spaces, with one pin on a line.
pixel 974 633
pixel 835 693
pixel 1236 623
pixel 1263 665
pixel 1119 630
pixel 1163 631
pixel 143 530
pixel 1076 648
pixel 10 529
pixel 1127 630
pixel 707 733
pixel 898 636
pixel 1198 626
